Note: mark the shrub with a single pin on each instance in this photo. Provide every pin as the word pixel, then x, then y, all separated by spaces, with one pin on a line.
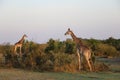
pixel 55 55
pixel 70 47
pixel 64 62
pixel 101 67
pixel 6 50
pixel 106 50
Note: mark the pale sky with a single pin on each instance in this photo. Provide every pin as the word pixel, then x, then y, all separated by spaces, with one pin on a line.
pixel 41 20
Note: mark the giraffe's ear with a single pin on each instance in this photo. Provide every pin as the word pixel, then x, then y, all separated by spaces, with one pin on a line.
pixel 68 29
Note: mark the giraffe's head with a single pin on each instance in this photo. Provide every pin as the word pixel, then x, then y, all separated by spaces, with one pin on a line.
pixel 24 35
pixel 69 32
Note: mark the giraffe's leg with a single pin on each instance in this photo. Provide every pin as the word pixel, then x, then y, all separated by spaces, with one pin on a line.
pixel 92 65
pixel 79 60
pixel 88 60
pixel 89 65
pixel 91 62
pixel 15 48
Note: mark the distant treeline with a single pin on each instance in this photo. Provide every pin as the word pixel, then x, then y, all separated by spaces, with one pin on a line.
pixel 104 48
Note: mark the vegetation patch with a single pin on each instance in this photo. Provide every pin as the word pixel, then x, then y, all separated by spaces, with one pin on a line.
pixel 58 56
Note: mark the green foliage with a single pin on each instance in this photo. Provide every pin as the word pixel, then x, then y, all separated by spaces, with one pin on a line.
pixel 30 47
pixel 106 50
pixel 51 46
pixel 114 42
pixel 61 59
pixel 93 43
pixel 6 50
pixel 59 46
pixel 55 54
pixel 70 47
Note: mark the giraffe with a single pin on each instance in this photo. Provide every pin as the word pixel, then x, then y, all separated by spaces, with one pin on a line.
pixel 82 50
pixel 19 45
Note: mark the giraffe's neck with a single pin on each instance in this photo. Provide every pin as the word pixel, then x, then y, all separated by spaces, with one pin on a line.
pixel 21 40
pixel 75 39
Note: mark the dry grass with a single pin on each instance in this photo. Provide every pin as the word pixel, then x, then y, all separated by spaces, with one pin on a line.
pixel 20 74
pixel 16 74
pixel 66 68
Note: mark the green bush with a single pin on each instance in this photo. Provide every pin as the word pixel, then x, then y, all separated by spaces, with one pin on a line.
pixel 113 42
pixel 55 55
pixel 70 47
pixel 106 50
pixel 57 46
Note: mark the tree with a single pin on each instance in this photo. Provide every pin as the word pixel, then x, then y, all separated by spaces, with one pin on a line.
pixel 50 46
pixel 114 42
pixel 70 46
pixel 106 50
